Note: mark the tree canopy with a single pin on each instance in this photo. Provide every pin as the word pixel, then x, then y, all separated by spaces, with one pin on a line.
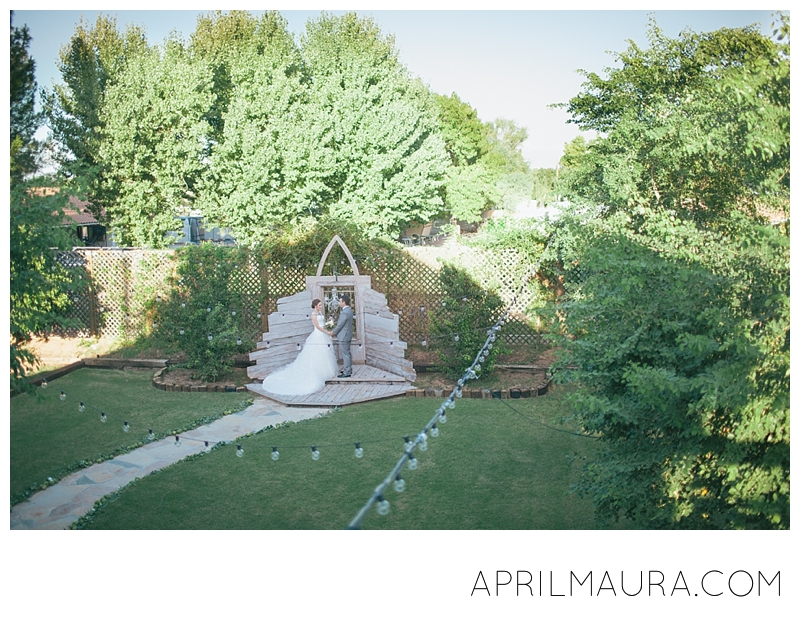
pixel 697 124
pixel 677 329
pixel 38 284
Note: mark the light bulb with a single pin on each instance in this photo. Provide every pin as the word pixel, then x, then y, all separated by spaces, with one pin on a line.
pixel 383 506
pixel 409 443
pixel 155 325
pixel 258 316
pixel 314 453
pixel 422 308
pixel 461 382
pixel 423 445
pixel 492 337
pixel 443 418
pixel 359 451
pixel 103 417
pixel 44 383
pixel 182 331
pixel 208 309
pixel 298 346
pixel 233 312
pixel 126 427
pixel 177 441
pixel 210 337
pixel 208 447
pixel 424 343
pixel 477 367
pixel 63 396
pixel 399 484
pixel 482 358
pixel 150 434
pixel 413 463
pixel 434 431
pixel 458 393
pixel 450 404
pixel 239 341
pixel 491 345
pixel 81 407
pixel 456 338
pixel 444 304
pixel 183 304
pixel 239 450
pixel 275 454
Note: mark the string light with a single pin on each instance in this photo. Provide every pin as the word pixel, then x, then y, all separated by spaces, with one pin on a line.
pixel 434 431
pixel 413 463
pixel 63 395
pixel 422 441
pixel 314 453
pixel 359 451
pixel 383 506
pixel 181 331
pixel 103 417
pixel 399 484
pixel 239 450
pixel 81 407
pixel 409 443
pixel 126 427
pixel 275 454
pixel 443 418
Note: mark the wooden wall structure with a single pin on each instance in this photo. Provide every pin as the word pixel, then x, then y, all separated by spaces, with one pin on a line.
pixel 376 339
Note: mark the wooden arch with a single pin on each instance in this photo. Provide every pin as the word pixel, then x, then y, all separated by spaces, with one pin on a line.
pixel 337 239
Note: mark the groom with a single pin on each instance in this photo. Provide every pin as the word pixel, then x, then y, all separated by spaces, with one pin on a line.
pixel 344 330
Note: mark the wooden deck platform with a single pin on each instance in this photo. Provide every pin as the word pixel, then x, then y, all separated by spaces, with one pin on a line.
pixel 367 383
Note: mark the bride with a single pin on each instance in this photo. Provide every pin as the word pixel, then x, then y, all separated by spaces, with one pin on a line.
pixel 315 364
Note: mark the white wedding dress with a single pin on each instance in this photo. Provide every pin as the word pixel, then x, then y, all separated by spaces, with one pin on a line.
pixel 307 374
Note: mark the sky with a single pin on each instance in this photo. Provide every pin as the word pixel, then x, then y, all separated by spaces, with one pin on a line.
pixel 506 64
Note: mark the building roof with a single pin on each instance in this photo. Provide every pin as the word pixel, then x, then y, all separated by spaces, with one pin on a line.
pixel 78 213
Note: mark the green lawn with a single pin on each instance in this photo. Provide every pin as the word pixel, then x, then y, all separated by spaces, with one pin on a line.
pixel 51 438
pixel 490 468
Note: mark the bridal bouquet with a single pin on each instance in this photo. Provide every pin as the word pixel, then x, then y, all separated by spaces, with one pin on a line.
pixel 330 323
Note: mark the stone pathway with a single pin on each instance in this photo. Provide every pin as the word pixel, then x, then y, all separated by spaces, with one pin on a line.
pixel 60 505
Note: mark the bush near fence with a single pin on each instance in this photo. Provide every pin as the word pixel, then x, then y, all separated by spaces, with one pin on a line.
pixel 125 283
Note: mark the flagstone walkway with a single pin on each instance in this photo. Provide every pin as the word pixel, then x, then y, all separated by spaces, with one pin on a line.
pixel 59 506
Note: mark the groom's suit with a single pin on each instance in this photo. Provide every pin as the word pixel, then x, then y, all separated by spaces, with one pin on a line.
pixel 344 331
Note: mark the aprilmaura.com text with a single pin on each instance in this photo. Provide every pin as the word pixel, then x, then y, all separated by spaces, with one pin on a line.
pixel 739 583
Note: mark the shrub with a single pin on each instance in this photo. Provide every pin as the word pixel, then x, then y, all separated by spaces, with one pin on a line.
pixel 460 326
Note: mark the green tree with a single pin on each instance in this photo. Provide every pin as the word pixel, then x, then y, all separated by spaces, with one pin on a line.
pixel 677 324
pixel 378 158
pixel 260 172
pixel 38 285
pixel 680 341
pixel 697 124
pixel 23 121
pixel 90 64
pixel 155 142
pixel 465 136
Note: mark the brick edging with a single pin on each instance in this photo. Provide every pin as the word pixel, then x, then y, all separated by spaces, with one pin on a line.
pixel 160 383
pixel 512 393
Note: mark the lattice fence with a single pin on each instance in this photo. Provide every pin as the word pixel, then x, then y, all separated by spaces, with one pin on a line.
pixel 124 285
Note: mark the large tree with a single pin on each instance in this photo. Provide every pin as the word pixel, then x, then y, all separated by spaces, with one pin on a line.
pixel 698 124
pixel 261 168
pixel 90 63
pixel 379 158
pixel 155 143
pixel 24 121
pixel 38 285
pixel 678 330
